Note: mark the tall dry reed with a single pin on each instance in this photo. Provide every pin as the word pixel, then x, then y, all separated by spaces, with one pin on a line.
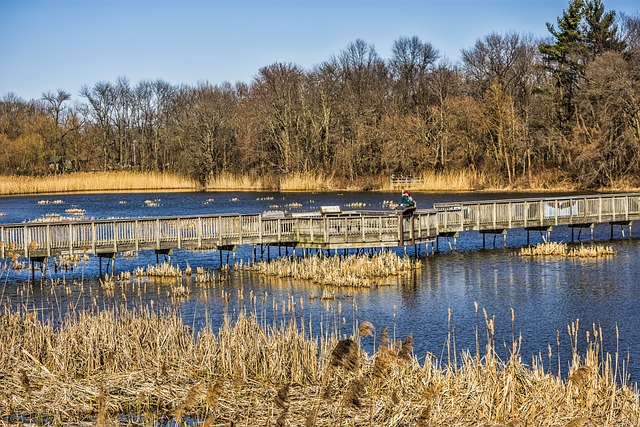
pixel 352 270
pixel 562 250
pixel 100 367
pixel 94 182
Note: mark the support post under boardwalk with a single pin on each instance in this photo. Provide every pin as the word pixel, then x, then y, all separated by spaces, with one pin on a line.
pixel 546 229
pixel 165 252
pixel 590 226
pixel 112 259
pixel 495 233
pixel 40 259
pixel 621 224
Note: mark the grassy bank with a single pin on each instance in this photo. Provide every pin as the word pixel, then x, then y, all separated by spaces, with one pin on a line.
pixel 103 368
pixel 87 182
pixel 150 181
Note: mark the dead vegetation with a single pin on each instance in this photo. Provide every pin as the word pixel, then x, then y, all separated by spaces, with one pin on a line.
pixel 144 368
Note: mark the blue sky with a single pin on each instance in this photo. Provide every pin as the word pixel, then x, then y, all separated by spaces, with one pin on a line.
pixel 47 45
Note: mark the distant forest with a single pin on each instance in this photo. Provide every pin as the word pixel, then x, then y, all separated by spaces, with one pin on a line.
pixel 566 106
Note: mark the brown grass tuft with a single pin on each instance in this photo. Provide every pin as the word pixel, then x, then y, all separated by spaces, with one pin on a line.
pixel 366 329
pixel 406 348
pixel 282 397
pixel 577 422
pixel 214 390
pixel 346 354
pixel 354 394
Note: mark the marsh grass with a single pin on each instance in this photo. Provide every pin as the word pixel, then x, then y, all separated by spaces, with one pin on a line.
pixel 150 368
pixel 355 270
pixel 562 250
pixel 463 180
pixel 94 182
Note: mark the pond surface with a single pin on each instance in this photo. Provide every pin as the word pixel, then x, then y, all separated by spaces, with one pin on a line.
pixel 437 302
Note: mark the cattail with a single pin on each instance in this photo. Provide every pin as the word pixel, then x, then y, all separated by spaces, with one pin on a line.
pixel 366 329
pixel 384 337
pixel 382 363
pixel 282 398
pixel 345 354
pixel 406 348
pixel 214 390
pixel 354 394
pixel 580 376
pixel 189 401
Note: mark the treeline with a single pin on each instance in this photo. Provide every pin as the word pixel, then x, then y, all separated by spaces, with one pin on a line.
pixel 514 107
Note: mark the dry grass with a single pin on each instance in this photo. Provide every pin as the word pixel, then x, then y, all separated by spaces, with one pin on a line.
pixel 466 180
pixel 350 271
pixel 228 181
pixel 554 249
pixel 93 182
pixel 95 367
pixel 307 182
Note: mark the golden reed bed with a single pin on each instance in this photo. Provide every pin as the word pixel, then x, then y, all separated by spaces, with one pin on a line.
pixel 562 250
pixel 155 181
pixel 120 367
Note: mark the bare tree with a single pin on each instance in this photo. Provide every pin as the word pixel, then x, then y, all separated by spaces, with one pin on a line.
pixel 411 63
pixel 102 100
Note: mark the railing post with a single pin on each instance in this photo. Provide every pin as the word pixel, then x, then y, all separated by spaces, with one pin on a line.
pixel 626 208
pixel 158 234
pixel 279 230
pixel 541 211
pixel 495 215
pixel 326 229
pixel 115 236
pixel 2 243
pixel 599 209
pixel 297 222
pixel 219 230
pixel 179 230
pixel 93 237
pixel 70 239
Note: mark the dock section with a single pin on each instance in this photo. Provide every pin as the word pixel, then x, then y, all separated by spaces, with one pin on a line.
pixel 331 229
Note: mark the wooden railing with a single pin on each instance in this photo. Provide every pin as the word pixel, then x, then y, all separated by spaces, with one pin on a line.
pixel 535 213
pixel 353 229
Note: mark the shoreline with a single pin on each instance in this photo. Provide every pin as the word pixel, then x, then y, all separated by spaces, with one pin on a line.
pixel 129 182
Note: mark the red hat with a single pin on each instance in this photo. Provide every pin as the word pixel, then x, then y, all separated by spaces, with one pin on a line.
pixel 405 192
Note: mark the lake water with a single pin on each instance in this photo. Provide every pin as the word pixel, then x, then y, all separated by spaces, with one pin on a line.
pixel 545 294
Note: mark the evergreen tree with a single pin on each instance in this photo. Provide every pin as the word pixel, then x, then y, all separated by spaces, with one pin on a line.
pixel 601 31
pixel 584 31
pixel 565 58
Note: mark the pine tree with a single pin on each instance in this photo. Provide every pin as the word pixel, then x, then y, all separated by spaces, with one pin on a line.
pixel 584 31
pixel 601 31
pixel 565 58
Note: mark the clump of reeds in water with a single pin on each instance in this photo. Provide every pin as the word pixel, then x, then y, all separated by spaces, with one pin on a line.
pixel 555 249
pixel 591 251
pixel 117 365
pixel 351 270
pixel 164 270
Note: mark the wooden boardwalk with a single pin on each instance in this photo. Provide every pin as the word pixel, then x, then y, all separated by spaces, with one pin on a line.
pixel 354 229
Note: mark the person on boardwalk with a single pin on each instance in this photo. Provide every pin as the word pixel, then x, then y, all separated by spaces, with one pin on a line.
pixel 408 205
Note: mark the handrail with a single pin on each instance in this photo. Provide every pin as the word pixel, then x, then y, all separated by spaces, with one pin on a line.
pixel 348 229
